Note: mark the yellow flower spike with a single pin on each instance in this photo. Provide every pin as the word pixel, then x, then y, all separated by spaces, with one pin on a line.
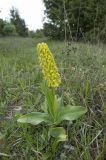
pixel 48 65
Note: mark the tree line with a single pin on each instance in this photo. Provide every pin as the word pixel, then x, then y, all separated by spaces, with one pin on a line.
pixel 16 25
pixel 75 19
pixel 65 19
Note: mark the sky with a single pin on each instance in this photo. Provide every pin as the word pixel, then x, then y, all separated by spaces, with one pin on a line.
pixel 32 11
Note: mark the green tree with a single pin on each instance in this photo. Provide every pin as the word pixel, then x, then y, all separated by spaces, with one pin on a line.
pixel 9 29
pixel 19 23
pixel 2 24
pixel 75 18
pixel 54 28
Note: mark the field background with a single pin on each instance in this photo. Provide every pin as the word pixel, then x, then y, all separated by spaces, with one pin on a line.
pixel 83 72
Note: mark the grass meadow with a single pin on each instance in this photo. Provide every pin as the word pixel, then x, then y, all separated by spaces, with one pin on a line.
pixel 83 73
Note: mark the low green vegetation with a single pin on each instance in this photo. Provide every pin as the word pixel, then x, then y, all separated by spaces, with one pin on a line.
pixel 83 73
pixel 15 26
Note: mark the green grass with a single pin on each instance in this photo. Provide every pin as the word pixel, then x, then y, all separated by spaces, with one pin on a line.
pixel 83 72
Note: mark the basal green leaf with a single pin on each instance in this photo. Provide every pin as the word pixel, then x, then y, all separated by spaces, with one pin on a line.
pixel 71 113
pixel 34 118
pixel 58 133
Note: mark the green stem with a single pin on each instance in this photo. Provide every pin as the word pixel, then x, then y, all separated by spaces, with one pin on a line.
pixel 52 108
pixel 51 101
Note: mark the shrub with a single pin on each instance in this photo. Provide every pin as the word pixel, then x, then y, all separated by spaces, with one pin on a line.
pixel 9 30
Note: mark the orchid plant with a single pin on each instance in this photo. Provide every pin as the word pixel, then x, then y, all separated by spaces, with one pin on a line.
pixel 53 110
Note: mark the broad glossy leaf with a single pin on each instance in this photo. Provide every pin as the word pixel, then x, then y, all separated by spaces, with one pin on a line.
pixel 58 133
pixel 71 113
pixel 34 118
